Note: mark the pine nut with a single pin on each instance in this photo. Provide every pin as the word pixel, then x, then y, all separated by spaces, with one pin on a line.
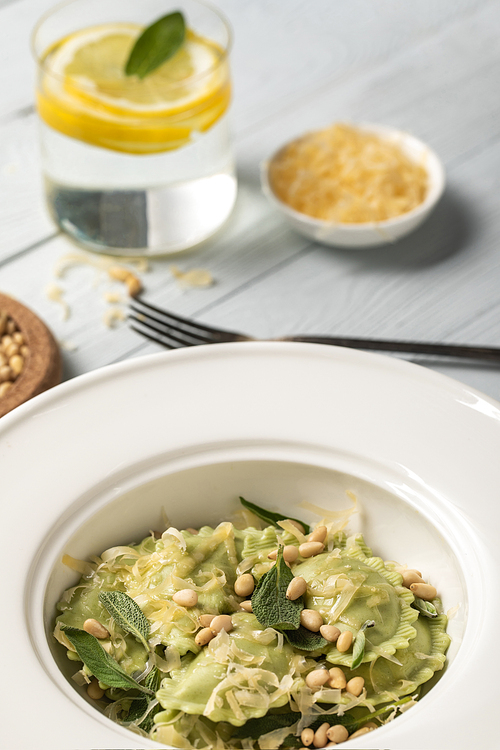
pixel 344 641
pixel 186 598
pixel 337 679
pixel 311 619
pixel 203 637
pixel 411 576
pixel 11 326
pixel 18 338
pixel 424 591
pixel 16 364
pixel 205 620
pixel 94 691
pixel 195 532
pixel 7 341
pixel 6 374
pixel 310 549
pixel 370 725
pixel 338 733
pixel 244 585
pixel 96 628
pixel 318 534
pixel 297 525
pixel 3 360
pixel 11 350
pixel 317 678
pixel 24 351
pixel 134 285
pixel 360 733
pixel 3 322
pixel 307 736
pixel 221 622
pixel 320 737
pixel 297 587
pixel 330 633
pixel 273 555
pixel 246 606
pixel 355 686
pixel 4 387
pixel 290 553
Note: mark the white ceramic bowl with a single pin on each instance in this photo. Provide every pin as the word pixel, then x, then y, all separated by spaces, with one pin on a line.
pixel 93 463
pixel 368 234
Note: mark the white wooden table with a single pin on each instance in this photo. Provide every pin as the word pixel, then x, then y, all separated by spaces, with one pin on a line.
pixel 432 68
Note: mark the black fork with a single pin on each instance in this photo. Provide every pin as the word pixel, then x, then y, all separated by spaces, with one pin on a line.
pixel 174 332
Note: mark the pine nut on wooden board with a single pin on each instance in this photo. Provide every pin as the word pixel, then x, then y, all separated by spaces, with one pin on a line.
pixel 43 365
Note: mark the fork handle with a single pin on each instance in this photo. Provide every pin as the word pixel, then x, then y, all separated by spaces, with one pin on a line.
pixel 485 353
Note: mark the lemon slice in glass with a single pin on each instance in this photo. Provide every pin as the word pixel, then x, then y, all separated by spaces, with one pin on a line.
pixel 84 92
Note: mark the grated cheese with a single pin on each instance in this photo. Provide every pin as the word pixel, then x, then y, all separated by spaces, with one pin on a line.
pixel 347 175
pixel 113 297
pixel 334 520
pixel 113 316
pixel 55 294
pixel 451 613
pixel 196 277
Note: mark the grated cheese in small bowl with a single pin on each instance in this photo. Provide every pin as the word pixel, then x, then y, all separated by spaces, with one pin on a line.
pixel 354 185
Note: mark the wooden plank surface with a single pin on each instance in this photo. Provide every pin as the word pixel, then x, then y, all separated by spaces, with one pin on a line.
pixel 431 68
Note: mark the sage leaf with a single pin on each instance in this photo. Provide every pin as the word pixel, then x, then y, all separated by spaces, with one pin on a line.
pixel 358 650
pixel 269 603
pixel 139 707
pixel 157 44
pixel 255 728
pixel 127 614
pixel 99 662
pixel 269 517
pixel 427 609
pixel 305 639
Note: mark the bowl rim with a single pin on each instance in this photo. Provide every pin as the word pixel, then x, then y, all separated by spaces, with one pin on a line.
pixel 434 192
pixel 344 380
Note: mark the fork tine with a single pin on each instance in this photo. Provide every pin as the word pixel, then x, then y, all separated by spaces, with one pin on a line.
pixel 159 338
pixel 166 328
pixel 162 333
pixel 166 317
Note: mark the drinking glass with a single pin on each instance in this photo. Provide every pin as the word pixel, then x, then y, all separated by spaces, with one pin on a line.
pixel 134 166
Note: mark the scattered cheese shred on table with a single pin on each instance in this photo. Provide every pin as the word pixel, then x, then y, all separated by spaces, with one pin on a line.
pixel 55 294
pixel 113 297
pixel 113 316
pixel 196 277
pixel 347 175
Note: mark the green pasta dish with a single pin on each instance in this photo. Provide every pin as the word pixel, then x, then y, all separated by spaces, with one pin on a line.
pixel 262 633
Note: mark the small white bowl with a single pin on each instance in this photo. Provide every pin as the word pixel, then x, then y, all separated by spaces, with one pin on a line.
pixel 368 234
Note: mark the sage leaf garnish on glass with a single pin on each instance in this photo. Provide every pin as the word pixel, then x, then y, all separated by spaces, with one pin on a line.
pixel 271 518
pixel 358 650
pixel 99 662
pixel 127 614
pixel 269 603
pixel 427 609
pixel 157 44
